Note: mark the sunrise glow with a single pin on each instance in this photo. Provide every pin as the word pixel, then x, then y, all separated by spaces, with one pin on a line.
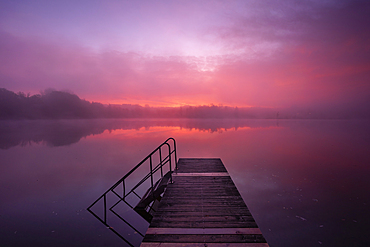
pixel 177 53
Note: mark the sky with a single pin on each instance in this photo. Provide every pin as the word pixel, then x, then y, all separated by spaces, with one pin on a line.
pixel 309 53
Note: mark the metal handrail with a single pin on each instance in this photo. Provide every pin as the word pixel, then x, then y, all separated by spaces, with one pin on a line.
pixel 162 162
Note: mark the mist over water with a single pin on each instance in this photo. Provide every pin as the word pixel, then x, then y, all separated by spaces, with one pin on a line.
pixel 305 181
pixel 52 104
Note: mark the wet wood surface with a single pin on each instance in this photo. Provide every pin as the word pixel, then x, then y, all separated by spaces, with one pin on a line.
pixel 203 206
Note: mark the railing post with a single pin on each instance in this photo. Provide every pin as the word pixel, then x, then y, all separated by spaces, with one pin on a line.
pixel 160 160
pixel 105 208
pixel 151 173
pixel 174 148
pixel 124 189
pixel 170 159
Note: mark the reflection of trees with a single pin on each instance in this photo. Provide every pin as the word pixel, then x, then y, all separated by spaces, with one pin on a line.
pixel 53 133
pixel 65 132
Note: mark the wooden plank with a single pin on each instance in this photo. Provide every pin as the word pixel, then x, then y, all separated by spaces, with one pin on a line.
pixel 205 238
pixel 145 244
pixel 200 165
pixel 209 174
pixel 196 224
pixel 204 207
pixel 203 231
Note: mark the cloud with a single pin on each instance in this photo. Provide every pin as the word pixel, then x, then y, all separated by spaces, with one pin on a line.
pixel 276 53
pixel 307 51
pixel 27 64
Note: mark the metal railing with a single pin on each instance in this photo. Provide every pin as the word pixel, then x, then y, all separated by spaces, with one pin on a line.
pixel 123 193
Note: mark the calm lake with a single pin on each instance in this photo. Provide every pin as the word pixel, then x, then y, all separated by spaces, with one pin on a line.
pixel 306 182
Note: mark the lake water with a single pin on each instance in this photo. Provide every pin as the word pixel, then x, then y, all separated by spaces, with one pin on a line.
pixel 306 182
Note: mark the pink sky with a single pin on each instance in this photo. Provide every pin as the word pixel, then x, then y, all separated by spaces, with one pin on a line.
pixel 165 53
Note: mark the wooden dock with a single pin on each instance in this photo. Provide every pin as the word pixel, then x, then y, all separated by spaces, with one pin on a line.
pixel 202 208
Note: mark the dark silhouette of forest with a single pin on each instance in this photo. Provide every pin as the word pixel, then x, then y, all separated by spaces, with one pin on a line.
pixel 52 104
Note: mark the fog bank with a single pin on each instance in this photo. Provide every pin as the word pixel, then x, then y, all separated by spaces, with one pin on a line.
pixel 51 104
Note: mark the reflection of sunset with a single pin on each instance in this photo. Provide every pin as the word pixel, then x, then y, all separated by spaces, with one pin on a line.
pixel 142 130
pixel 316 170
pixel 170 131
pixel 72 131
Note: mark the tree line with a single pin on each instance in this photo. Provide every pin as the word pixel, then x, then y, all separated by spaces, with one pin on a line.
pixel 52 104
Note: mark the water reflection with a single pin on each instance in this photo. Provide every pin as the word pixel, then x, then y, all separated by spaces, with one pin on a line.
pixel 65 132
pixel 305 182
